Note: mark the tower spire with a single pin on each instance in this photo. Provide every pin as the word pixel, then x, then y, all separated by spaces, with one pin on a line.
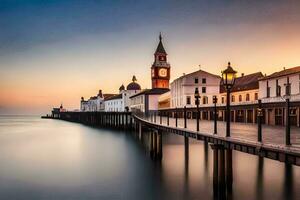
pixel 160 48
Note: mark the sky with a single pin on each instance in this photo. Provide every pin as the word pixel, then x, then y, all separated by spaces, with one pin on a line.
pixel 55 51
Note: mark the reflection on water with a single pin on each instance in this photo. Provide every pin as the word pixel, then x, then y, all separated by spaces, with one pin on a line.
pixel 49 159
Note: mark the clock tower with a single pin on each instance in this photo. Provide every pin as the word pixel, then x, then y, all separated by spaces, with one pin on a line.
pixel 160 70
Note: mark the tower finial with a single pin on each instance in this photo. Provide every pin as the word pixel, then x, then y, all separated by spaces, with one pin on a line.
pixel 228 64
pixel 160 37
pixel 134 78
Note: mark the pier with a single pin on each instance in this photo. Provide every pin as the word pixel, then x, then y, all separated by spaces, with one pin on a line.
pixel 157 125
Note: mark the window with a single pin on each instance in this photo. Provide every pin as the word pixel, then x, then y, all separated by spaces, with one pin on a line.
pixel 204 80
pixel 223 100
pixel 278 91
pixel 196 80
pixel 247 97
pixel 268 92
pixel 204 100
pixel 203 89
pixel 240 98
pixel 188 100
pixel 232 98
pixel 256 96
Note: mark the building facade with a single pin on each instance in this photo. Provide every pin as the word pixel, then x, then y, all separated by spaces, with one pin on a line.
pixel 122 101
pixel 183 89
pixel 275 89
pixel 94 103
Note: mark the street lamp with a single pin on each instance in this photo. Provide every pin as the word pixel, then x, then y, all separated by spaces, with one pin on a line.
pixel 287 121
pixel 228 80
pixel 197 102
pixel 215 100
pixel 259 117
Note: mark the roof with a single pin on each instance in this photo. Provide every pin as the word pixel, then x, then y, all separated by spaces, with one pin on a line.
pixel 122 87
pixel 160 48
pixel 118 96
pixel 153 91
pixel 133 86
pixel 201 71
pixel 284 72
pixel 246 82
pixel 108 95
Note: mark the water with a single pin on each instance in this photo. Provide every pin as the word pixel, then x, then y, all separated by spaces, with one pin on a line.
pixel 51 159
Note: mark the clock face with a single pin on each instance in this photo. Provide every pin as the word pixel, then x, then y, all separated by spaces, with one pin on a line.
pixel 162 72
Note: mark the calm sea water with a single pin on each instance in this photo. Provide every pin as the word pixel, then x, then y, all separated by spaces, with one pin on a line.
pixel 51 159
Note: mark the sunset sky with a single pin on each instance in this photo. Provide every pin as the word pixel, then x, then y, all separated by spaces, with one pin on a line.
pixel 57 51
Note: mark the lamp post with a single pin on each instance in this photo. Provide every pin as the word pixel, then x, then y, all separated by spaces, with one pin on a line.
pixel 287 123
pixel 259 116
pixel 228 79
pixel 197 102
pixel 215 100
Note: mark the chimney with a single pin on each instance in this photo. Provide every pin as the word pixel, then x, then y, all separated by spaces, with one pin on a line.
pixel 243 74
pixel 82 99
pixel 283 68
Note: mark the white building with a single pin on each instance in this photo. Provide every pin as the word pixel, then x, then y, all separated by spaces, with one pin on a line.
pixel 183 89
pixel 275 89
pixel 122 102
pixel 94 103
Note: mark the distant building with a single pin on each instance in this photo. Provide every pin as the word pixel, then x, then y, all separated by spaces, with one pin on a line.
pixel 94 103
pixel 121 102
pixel 275 89
pixel 183 89
pixel 147 100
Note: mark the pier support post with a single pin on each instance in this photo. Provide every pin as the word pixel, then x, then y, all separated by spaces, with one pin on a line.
pixel 186 146
pixel 219 185
pixel 159 145
pixel 151 145
pixel 168 118
pixel 160 117
pixel 215 169
pixel 155 145
pixel 229 171
pixel 130 123
pixel 140 131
